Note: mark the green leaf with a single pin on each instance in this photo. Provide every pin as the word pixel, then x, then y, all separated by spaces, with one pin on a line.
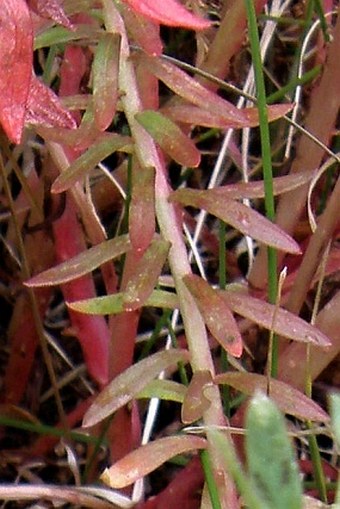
pixel 335 414
pixel 166 390
pixel 147 458
pixel 130 382
pixel 87 161
pixel 271 463
pixel 216 314
pixel 83 263
pixel 105 79
pixel 170 138
pixel 113 304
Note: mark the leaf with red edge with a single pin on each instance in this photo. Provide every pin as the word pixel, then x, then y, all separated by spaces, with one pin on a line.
pixel 195 401
pixel 140 285
pixel 50 9
pixel 142 222
pixel 289 400
pixel 130 382
pixel 170 13
pixel 16 56
pixel 147 458
pixel 105 79
pixel 216 314
pixel 280 320
pixel 44 107
pixel 170 138
pixel 241 217
pixel 144 32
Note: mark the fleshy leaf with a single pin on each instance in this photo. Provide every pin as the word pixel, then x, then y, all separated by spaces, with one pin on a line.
pixel 50 9
pixel 167 390
pixel 143 31
pixel 170 138
pixel 147 458
pixel 113 304
pixel 87 161
pixel 289 400
pixel 285 324
pixel 16 54
pixel 195 402
pixel 129 383
pixel 140 285
pixel 83 263
pixel 170 13
pixel 142 222
pixel 241 217
pixel 216 314
pixel 272 467
pixel 105 79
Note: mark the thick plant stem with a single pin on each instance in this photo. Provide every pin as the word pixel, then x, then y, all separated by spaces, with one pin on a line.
pixel 171 230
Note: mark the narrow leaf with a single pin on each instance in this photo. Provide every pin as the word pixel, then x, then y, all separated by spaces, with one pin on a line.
pixel 144 32
pixel 114 304
pixel 268 445
pixel 129 383
pixel 16 54
pixel 147 458
pixel 142 221
pixel 166 390
pixel 170 138
pixel 286 324
pixel 170 13
pixel 83 263
pixel 87 161
pixel 50 9
pixel 216 314
pixel 241 217
pixel 105 79
pixel 195 402
pixel 288 399
pixel 141 284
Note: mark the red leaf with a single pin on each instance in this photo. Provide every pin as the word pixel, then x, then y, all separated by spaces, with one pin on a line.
pixel 195 402
pixel 147 458
pixel 216 314
pixel 50 9
pixel 169 13
pixel 142 209
pixel 16 53
pixel 44 107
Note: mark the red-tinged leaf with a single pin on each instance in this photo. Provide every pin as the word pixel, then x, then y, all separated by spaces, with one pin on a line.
pixel 241 217
pixel 216 314
pixel 16 54
pixel 44 107
pixel 145 277
pixel 105 79
pixel 195 402
pixel 147 458
pixel 87 161
pixel 83 263
pixel 170 138
pixel 285 323
pixel 130 382
pixel 170 13
pixel 114 304
pixel 142 222
pixel 144 32
pixel 192 91
pixel 50 9
pixel 194 115
pixel 289 400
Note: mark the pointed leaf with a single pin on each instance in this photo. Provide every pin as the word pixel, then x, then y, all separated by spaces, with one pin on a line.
pixel 166 390
pixel 113 304
pixel 216 314
pixel 170 138
pixel 87 161
pixel 141 284
pixel 170 13
pixel 105 79
pixel 129 383
pixel 142 221
pixel 285 324
pixel 267 444
pixel 147 458
pixel 16 56
pixel 195 402
pixel 50 9
pixel 83 263
pixel 241 217
pixel 289 400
